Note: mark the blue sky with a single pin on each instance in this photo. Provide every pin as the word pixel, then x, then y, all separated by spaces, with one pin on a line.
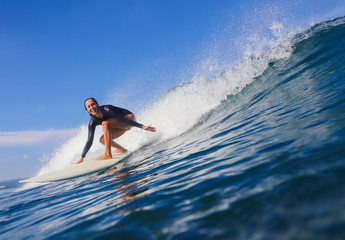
pixel 56 53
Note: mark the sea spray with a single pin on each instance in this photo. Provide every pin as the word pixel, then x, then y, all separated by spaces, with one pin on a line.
pixel 180 108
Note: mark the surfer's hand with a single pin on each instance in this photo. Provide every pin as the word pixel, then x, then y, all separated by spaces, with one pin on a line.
pixel 149 128
pixel 80 160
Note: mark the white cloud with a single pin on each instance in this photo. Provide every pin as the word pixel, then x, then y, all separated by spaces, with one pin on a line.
pixel 9 139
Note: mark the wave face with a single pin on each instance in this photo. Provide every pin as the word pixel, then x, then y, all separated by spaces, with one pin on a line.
pixel 256 152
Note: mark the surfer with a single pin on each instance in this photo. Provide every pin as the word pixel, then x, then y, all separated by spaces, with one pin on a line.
pixel 115 122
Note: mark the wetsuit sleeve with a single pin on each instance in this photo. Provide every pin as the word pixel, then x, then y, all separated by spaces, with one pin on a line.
pixel 128 121
pixel 122 118
pixel 90 137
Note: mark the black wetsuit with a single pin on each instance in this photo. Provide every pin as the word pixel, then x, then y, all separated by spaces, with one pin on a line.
pixel 108 112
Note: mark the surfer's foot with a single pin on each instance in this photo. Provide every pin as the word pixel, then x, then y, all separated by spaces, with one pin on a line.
pixel 118 150
pixel 104 157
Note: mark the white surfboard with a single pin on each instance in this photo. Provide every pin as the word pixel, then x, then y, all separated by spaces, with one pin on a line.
pixel 76 170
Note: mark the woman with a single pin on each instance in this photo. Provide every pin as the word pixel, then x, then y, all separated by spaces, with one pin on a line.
pixel 115 122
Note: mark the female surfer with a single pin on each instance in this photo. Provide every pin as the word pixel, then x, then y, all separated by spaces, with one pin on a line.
pixel 115 122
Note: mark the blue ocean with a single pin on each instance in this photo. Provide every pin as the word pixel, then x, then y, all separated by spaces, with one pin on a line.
pixel 256 151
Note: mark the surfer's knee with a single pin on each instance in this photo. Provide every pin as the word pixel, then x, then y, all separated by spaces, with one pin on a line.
pixel 101 140
pixel 105 124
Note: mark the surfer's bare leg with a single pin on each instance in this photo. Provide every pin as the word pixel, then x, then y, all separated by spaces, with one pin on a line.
pixel 115 133
pixel 113 129
pixel 106 140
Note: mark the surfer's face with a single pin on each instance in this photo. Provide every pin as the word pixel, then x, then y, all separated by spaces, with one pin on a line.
pixel 91 106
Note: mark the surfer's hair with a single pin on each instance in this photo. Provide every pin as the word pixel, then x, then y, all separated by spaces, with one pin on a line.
pixel 91 98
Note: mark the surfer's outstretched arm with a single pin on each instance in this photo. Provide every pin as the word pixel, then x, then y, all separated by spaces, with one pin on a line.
pixel 91 134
